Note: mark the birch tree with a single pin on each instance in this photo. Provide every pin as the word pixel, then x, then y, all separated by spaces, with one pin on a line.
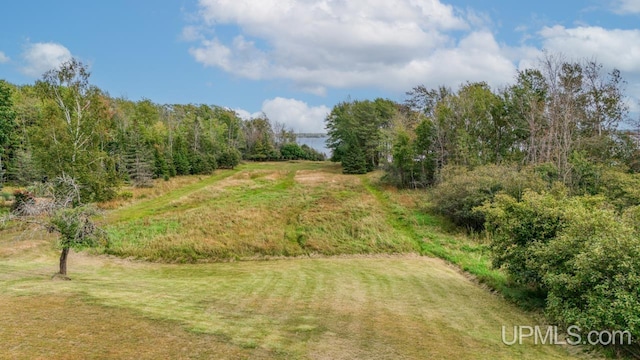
pixel 71 133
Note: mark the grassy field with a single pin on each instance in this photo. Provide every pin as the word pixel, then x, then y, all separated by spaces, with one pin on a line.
pixel 334 273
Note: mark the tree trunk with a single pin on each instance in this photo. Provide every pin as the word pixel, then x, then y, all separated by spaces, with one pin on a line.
pixel 63 261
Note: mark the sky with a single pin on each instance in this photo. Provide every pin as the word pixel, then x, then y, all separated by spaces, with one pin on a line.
pixel 293 60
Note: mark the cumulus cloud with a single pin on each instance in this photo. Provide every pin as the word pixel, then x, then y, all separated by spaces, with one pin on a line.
pixel 3 58
pixel 42 57
pixel 319 44
pixel 626 6
pixel 246 115
pixel 295 114
pixel 613 47
pixel 387 44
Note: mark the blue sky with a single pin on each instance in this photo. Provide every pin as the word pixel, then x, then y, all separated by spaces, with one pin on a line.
pixel 295 59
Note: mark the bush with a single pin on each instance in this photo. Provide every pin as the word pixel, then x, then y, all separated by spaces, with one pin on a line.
pixel 229 159
pixel 312 154
pixel 292 151
pixel 592 271
pixel 578 251
pixel 21 198
pixel 461 191
pixel 621 189
pixel 518 227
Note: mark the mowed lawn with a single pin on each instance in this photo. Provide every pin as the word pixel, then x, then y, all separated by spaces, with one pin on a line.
pixel 334 300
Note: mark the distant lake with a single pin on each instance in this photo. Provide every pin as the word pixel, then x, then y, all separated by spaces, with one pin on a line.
pixel 318 144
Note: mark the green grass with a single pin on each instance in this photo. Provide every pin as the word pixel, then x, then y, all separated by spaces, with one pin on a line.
pixel 376 298
pixel 260 210
pixel 354 308
pixel 438 238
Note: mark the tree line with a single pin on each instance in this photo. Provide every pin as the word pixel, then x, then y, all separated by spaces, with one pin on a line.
pixel 551 112
pixel 63 124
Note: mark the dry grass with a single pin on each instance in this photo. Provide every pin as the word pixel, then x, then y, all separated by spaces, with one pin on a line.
pixel 65 327
pixel 366 306
pixel 382 307
pixel 272 209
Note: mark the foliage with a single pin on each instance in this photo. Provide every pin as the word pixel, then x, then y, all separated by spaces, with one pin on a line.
pixel 69 138
pixel 460 191
pixel 354 160
pixel 292 151
pixel 621 189
pixel 578 250
pixel 229 158
pixel 354 130
pixel 22 198
pixel 518 227
pixel 76 228
pixel 260 140
pixel 7 128
pixel 555 113
pixel 592 270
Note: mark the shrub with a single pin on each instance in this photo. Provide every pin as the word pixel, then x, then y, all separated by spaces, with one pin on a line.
pixel 292 151
pixel 229 158
pixel 461 191
pixel 592 270
pixel 576 250
pixel 621 189
pixel 518 227
pixel 20 199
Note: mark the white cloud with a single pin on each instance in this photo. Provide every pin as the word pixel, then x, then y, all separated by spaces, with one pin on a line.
pixel 3 58
pixel 42 57
pixel 626 6
pixel 320 44
pixel 246 115
pixel 613 47
pixel 295 114
pixel 191 33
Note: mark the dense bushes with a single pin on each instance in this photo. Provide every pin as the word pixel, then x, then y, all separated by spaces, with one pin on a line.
pixel 460 191
pixel 293 151
pixel 578 247
pixel 579 251
pixel 519 227
pixel 229 159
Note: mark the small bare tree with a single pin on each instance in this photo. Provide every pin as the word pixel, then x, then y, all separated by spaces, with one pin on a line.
pixel 60 211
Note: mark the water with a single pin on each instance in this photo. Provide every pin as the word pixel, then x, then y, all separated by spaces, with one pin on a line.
pixel 318 144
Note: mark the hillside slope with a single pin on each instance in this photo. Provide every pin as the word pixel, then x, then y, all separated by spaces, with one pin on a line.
pixel 356 290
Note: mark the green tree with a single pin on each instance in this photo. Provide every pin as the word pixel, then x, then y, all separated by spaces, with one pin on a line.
pixel 260 139
pixel 229 158
pixel 354 160
pixel 7 127
pixel 354 130
pixel 70 136
pixel 292 151
pixel 181 156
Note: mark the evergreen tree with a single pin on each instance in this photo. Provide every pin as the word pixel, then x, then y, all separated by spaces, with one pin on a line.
pixel 7 128
pixel 138 160
pixel 354 160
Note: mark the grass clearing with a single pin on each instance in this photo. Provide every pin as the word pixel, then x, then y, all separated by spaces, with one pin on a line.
pixel 440 239
pixel 376 298
pixel 302 209
pixel 383 307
